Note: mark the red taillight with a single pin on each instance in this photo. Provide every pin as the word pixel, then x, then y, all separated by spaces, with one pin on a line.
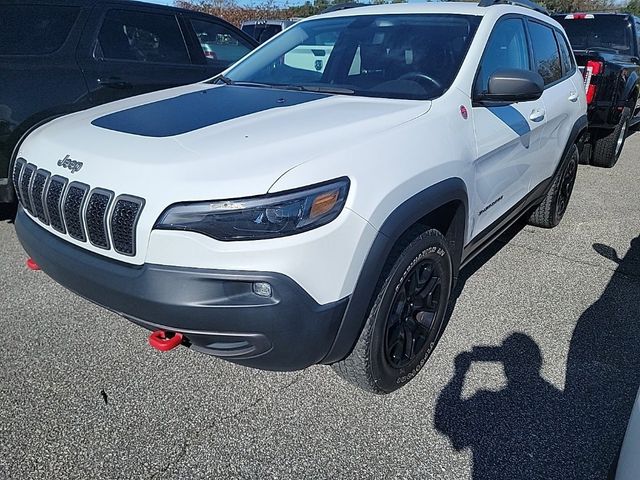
pixel 579 16
pixel 592 68
pixel 596 67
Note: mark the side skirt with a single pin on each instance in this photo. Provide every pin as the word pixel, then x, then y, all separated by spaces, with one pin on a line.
pixel 497 228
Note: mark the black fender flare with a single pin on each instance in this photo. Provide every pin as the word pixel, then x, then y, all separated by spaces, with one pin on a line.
pixel 633 82
pixel 577 136
pixel 402 218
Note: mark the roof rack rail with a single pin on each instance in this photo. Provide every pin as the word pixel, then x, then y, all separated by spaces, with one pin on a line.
pixel 343 6
pixel 520 3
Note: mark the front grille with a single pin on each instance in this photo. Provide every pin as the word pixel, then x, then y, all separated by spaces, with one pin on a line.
pixel 123 222
pixel 17 170
pixel 53 202
pixel 25 183
pixel 74 209
pixel 37 195
pixel 96 217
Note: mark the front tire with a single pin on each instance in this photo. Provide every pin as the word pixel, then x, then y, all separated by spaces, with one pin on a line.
pixel 407 317
pixel 607 148
pixel 549 213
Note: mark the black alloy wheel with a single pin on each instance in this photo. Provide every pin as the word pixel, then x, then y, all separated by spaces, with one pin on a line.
pixel 566 185
pixel 407 316
pixel 411 318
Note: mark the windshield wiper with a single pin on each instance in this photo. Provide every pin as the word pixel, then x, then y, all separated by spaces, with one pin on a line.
pixel 228 81
pixel 305 88
pixel 223 79
pixel 321 89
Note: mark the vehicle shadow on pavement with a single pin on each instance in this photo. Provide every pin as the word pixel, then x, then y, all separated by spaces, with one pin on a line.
pixel 531 429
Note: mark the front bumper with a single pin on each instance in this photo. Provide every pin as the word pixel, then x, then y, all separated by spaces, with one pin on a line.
pixel 215 310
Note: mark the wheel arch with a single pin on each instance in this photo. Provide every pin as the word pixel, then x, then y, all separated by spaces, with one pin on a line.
pixel 446 210
pixel 630 91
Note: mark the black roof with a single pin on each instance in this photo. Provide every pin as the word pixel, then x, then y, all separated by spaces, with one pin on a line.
pixel 90 3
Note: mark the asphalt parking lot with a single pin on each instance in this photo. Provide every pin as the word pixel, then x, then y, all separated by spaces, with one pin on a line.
pixel 83 396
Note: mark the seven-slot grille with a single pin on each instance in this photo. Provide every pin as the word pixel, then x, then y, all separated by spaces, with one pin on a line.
pixel 77 210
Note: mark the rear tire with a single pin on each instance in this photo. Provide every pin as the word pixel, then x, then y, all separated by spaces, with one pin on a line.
pixel 407 317
pixel 608 147
pixel 552 209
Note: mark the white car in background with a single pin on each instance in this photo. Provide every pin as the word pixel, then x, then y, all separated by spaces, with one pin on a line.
pixel 628 465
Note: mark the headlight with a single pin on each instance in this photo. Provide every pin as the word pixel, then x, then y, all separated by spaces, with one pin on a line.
pixel 268 216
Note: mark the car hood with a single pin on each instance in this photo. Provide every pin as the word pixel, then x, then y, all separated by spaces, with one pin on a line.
pixel 204 142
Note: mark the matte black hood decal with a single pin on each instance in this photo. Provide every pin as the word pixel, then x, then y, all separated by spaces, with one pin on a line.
pixel 192 111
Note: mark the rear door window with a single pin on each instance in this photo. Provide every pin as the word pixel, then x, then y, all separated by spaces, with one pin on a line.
pixel 545 52
pixel 141 37
pixel 34 29
pixel 566 57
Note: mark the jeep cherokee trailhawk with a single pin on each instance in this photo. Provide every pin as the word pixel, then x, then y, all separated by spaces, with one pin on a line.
pixel 280 216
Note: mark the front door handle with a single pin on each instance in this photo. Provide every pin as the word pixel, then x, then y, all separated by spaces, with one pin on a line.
pixel 537 115
pixel 573 97
pixel 114 82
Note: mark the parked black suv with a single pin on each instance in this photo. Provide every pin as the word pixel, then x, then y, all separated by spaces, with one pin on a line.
pixel 606 46
pixel 60 56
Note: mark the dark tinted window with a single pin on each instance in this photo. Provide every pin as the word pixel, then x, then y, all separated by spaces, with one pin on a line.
pixel 262 31
pixel 507 48
pixel 142 37
pixel 545 52
pixel 220 44
pixel 565 53
pixel 34 29
pixel 608 32
pixel 392 56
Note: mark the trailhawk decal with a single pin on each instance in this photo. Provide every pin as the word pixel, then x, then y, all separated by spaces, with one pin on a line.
pixel 192 111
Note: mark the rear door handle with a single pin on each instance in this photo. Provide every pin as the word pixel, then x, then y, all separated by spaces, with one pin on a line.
pixel 573 97
pixel 114 82
pixel 537 115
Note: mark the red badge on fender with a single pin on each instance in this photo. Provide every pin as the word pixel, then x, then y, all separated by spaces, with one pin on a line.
pixel 463 112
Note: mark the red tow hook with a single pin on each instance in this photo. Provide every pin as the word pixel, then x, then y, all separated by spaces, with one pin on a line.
pixel 31 265
pixel 165 341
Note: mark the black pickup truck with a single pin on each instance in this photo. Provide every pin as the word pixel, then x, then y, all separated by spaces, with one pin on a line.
pixel 61 56
pixel 606 47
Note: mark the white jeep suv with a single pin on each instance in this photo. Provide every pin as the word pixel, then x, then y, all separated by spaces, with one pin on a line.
pixel 280 217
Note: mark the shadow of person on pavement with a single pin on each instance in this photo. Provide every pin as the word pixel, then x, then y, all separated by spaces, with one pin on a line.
pixel 603 365
pixel 512 432
pixel 530 429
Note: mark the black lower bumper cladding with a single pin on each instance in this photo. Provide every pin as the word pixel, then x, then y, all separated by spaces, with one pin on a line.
pixel 217 311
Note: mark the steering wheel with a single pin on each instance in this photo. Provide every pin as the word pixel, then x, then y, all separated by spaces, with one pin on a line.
pixel 418 77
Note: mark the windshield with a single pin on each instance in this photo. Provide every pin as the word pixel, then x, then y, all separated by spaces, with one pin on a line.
pixel 392 56
pixel 604 32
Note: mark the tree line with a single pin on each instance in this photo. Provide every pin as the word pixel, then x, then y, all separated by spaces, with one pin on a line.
pixel 235 13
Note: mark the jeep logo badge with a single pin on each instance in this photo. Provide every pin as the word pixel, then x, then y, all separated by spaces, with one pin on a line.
pixel 73 165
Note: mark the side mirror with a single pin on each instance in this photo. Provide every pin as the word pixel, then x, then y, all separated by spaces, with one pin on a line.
pixel 511 86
